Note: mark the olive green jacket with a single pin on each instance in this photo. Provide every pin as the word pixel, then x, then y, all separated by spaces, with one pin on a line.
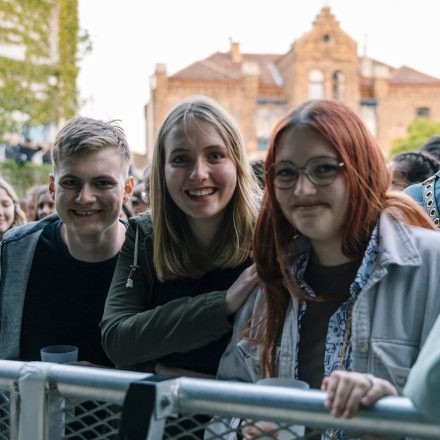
pixel 138 328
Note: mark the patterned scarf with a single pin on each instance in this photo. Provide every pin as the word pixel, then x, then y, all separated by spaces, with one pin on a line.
pixel 338 321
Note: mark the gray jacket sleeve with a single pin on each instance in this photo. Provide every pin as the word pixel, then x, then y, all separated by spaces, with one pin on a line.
pixel 241 359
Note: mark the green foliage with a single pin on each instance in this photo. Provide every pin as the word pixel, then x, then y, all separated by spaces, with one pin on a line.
pixel 39 86
pixel 68 46
pixel 418 132
pixel 24 175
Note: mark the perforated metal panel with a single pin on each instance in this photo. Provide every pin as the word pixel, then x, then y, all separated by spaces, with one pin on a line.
pixel 89 420
pixel 5 411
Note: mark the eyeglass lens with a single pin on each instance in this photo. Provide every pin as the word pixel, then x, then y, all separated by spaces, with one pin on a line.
pixel 321 171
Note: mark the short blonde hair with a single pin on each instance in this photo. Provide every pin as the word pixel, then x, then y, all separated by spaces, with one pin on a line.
pixel 173 245
pixel 81 135
pixel 19 215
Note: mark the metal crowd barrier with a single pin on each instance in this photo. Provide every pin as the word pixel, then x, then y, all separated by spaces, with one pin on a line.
pixel 41 401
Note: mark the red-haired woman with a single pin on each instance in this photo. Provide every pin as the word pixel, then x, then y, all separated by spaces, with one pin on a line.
pixel 349 271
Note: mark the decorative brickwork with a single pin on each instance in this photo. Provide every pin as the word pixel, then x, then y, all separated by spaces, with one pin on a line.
pixel 258 88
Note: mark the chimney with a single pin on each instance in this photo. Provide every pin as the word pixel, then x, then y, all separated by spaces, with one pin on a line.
pixel 235 52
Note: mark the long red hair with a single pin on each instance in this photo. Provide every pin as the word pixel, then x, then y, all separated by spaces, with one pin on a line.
pixel 368 181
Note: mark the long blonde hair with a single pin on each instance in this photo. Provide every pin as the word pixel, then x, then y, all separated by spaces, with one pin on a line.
pixel 19 215
pixel 173 247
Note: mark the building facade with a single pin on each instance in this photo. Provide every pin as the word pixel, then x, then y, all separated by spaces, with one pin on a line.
pixel 323 63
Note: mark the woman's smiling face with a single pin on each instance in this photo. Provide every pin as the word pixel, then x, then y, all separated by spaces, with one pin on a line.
pixel 7 211
pixel 318 212
pixel 200 173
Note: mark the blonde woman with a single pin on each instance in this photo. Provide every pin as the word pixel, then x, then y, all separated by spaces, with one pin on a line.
pixel 11 214
pixel 185 268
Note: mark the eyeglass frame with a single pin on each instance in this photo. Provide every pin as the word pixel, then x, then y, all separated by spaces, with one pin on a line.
pixel 303 170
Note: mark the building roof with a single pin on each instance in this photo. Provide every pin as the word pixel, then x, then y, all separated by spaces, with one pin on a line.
pixel 232 65
pixel 220 66
pixel 407 75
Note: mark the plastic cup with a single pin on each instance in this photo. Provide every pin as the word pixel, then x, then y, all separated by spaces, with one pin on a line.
pixel 290 431
pixel 59 354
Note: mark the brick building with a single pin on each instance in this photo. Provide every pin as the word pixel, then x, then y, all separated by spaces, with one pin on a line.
pixel 323 63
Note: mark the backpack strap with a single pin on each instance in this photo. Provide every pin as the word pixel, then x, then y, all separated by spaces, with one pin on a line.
pixel 429 199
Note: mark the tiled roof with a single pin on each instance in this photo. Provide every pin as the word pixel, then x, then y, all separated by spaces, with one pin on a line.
pixel 406 75
pixel 220 66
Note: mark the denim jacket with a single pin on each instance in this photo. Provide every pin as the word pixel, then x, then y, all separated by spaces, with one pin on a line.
pixel 392 316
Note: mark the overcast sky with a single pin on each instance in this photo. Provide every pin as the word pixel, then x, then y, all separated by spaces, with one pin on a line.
pixel 130 36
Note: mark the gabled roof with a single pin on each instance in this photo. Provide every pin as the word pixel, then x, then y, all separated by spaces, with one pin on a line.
pixel 407 75
pixel 220 66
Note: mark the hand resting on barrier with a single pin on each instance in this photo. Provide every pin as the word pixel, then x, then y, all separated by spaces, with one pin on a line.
pixel 347 390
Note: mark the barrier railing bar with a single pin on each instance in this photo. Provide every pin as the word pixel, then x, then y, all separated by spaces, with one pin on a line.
pixel 9 373
pixel 93 383
pixel 391 415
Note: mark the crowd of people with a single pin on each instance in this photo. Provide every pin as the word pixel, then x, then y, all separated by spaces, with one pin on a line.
pixel 315 266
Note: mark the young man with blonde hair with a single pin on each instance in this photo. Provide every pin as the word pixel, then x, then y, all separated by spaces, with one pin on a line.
pixel 56 272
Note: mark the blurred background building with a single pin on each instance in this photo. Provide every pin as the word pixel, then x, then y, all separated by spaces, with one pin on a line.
pixel 324 63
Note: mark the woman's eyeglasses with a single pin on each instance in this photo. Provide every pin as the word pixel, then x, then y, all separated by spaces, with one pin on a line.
pixel 321 171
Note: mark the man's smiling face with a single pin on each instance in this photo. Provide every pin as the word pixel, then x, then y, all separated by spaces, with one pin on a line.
pixel 89 190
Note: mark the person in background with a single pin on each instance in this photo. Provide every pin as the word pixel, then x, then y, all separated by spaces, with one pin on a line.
pixel 412 167
pixel 423 385
pixel 432 147
pixel 22 203
pixel 139 202
pixel 45 205
pixel 341 266
pixel 427 193
pixel 185 268
pixel 11 214
pixel 146 178
pixel 56 272
pixel 31 200
pixel 125 213
pixel 258 170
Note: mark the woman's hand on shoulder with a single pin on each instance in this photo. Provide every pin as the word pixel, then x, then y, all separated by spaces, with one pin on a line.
pixel 237 294
pixel 347 390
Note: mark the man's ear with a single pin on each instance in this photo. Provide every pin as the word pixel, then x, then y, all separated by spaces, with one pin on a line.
pixel 52 186
pixel 128 189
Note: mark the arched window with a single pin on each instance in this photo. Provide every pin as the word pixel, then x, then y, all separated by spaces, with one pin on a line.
pixel 316 84
pixel 338 85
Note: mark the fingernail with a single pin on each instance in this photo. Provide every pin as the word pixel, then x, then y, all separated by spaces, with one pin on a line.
pixel 347 414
